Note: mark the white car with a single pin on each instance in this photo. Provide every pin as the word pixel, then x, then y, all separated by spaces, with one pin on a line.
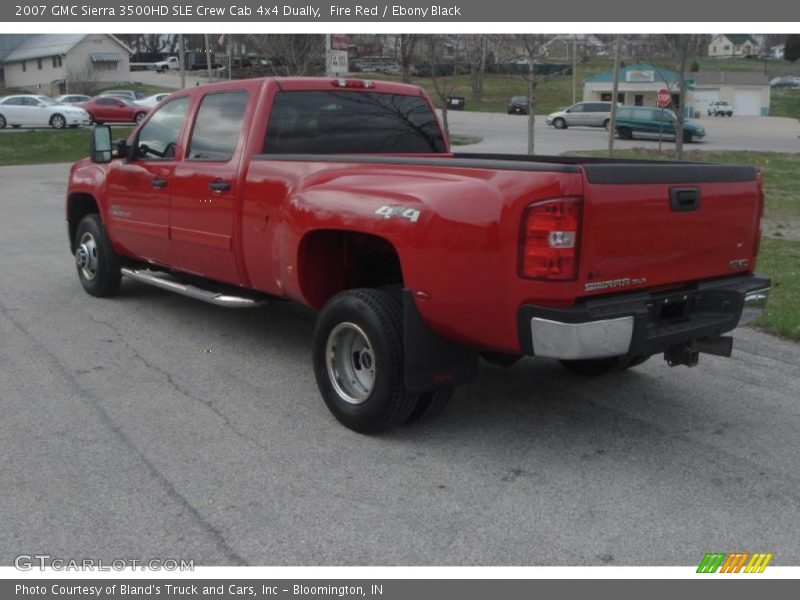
pixel 28 110
pixel 72 98
pixel 152 101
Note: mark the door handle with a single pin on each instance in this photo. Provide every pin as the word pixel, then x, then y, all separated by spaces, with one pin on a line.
pixel 219 186
pixel 684 199
pixel 158 182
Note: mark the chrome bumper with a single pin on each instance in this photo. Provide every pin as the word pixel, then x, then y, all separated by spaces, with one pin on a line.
pixel 592 339
pixel 754 304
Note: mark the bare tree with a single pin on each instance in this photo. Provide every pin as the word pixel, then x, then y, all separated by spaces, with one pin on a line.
pixel 529 46
pixel 476 48
pixel 81 80
pixel 682 48
pixel 407 45
pixel 443 85
pixel 291 54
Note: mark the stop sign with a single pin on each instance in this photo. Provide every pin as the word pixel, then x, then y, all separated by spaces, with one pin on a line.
pixel 664 98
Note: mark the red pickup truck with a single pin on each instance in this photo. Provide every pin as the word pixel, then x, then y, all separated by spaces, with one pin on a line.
pixel 345 195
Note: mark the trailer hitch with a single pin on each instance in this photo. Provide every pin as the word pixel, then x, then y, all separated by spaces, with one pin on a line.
pixel 689 353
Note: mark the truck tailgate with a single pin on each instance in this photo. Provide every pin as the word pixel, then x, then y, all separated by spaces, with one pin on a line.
pixel 649 225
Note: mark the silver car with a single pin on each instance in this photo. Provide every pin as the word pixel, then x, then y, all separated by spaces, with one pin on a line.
pixel 582 114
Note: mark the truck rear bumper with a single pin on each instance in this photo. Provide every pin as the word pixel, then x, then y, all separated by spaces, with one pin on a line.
pixel 640 324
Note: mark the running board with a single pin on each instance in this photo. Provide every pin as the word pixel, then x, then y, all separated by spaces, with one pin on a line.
pixel 163 280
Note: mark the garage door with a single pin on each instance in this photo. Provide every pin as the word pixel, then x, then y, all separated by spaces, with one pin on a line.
pixel 702 98
pixel 747 102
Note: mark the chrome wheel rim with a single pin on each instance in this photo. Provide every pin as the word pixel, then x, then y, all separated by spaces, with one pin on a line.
pixel 350 360
pixel 58 122
pixel 86 256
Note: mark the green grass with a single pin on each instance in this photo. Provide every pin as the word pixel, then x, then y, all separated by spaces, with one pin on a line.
pixel 780 259
pixel 37 146
pixel 785 102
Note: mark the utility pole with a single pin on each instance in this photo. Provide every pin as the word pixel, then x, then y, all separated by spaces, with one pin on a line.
pixel 612 126
pixel 182 60
pixel 574 66
pixel 208 55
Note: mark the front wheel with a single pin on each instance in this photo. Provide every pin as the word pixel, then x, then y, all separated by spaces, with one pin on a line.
pixel 606 124
pixel 560 123
pixel 687 137
pixel 3 122
pixel 99 267
pixel 58 121
pixel 358 360
pixel 139 116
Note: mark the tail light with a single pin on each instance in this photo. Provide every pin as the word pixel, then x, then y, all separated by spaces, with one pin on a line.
pixel 549 244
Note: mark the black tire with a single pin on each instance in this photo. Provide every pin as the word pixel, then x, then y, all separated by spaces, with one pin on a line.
pixel 501 359
pixel 430 404
pixel 58 121
pixel 559 123
pixel 625 133
pixel 97 263
pixel 16 126
pixel 687 137
pixel 606 124
pixel 3 122
pixel 602 366
pixel 362 385
pixel 137 118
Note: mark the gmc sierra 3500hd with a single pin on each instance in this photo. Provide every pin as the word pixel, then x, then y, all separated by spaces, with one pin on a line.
pixel 344 195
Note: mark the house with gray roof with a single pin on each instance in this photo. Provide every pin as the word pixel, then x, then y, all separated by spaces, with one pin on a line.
pixel 61 63
pixel 731 45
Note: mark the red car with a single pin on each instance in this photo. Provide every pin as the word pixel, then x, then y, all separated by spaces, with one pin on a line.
pixel 114 109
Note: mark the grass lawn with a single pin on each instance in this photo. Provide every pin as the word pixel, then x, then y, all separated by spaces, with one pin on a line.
pixel 780 259
pixel 785 102
pixel 35 146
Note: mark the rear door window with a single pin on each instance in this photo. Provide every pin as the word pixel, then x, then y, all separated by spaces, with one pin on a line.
pixel 218 126
pixel 346 122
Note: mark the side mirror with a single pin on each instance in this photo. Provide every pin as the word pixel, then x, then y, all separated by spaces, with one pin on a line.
pixel 100 150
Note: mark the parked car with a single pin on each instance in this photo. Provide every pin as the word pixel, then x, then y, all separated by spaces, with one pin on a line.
pixel 240 191
pixel 152 101
pixel 28 110
pixel 72 98
pixel 518 105
pixel 170 63
pixel 130 94
pixel 115 109
pixel 720 109
pixel 785 82
pixel 584 114
pixel 648 122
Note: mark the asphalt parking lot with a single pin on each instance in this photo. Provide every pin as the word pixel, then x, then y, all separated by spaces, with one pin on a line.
pixel 508 133
pixel 151 425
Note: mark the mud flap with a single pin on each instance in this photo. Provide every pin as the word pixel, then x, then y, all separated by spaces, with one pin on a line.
pixel 430 360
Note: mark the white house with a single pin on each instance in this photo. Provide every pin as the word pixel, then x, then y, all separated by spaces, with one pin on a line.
pixel 561 46
pixel 727 45
pixel 48 63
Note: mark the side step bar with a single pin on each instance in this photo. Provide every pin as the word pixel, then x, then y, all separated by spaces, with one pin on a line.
pixel 165 282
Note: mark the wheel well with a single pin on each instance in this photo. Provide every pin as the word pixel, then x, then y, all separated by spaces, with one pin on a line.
pixel 331 261
pixel 78 206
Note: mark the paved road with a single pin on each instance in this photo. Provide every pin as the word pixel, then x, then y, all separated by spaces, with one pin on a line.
pixel 151 425
pixel 508 133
